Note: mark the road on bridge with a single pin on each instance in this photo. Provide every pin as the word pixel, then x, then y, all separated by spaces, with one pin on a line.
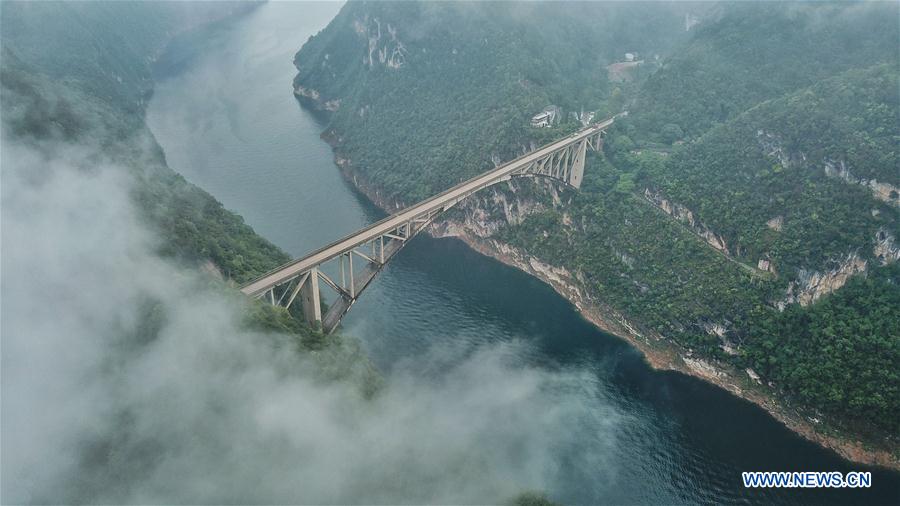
pixel 437 202
pixel 562 160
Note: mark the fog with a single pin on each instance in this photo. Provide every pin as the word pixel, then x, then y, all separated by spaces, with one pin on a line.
pixel 128 379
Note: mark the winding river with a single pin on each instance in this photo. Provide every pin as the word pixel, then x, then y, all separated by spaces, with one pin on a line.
pixel 224 113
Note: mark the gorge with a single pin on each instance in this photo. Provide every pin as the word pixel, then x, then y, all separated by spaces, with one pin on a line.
pixel 458 378
pixel 395 323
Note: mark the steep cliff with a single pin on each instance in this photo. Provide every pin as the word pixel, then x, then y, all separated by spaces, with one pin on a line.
pixel 713 241
pixel 84 87
pixel 87 85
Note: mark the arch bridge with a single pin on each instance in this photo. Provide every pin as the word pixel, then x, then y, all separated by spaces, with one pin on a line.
pixel 362 254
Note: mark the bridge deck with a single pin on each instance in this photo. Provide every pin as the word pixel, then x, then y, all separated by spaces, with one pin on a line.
pixel 441 200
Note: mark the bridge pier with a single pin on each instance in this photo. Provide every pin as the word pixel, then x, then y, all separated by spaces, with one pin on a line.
pixel 577 173
pixel 376 244
pixel 310 300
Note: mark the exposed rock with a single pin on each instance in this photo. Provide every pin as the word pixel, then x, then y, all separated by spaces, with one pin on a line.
pixel 729 348
pixel 310 93
pixel 755 377
pixel 212 269
pixel 721 330
pixel 627 260
pixel 886 250
pixel 660 352
pixel 773 148
pixel 622 71
pixel 881 191
pixel 316 98
pixel 702 368
pixel 483 214
pixel 568 284
pixel 715 329
pixel 776 223
pixel 387 50
pixel 810 286
pixel 683 214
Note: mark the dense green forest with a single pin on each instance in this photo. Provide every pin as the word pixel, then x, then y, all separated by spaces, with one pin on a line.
pixel 87 86
pixel 758 156
pixel 840 354
pixel 749 53
pixel 477 73
pixel 99 98
pixel 770 163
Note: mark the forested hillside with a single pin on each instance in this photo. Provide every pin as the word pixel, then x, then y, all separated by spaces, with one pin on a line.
pixel 77 76
pixel 745 54
pixel 745 209
pixel 98 98
pixel 475 74
pixel 768 183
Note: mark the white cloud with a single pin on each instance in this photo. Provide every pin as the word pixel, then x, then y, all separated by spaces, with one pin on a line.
pixel 105 402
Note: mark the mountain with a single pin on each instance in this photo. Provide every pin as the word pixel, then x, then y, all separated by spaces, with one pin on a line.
pixel 746 54
pixel 744 214
pixel 78 76
pixel 477 74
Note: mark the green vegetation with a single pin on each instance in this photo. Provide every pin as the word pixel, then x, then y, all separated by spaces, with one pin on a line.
pixel 734 127
pixel 751 54
pixel 477 73
pixel 98 100
pixel 78 75
pixel 770 163
pixel 840 354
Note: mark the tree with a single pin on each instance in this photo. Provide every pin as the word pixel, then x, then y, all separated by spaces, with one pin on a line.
pixel 616 100
pixel 671 133
pixel 622 144
pixel 625 184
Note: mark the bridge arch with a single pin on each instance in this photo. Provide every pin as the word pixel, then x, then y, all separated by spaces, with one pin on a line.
pixel 348 265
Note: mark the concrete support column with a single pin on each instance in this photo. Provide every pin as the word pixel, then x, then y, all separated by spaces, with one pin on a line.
pixel 578 164
pixel 309 297
pixel 350 268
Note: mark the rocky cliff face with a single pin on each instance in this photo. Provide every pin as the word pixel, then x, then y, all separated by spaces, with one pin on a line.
pixel 571 285
pixel 478 218
pixel 315 98
pixel 484 213
pixel 385 48
pixel 773 148
pixel 684 215
pixel 882 191
pixel 886 249
pixel 812 285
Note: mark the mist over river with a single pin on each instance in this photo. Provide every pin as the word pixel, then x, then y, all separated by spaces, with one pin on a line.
pixel 224 113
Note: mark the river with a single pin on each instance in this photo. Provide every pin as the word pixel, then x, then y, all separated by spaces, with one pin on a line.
pixel 224 113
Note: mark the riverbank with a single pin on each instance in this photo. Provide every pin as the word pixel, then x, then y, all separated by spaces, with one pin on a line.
pixel 659 352
pixel 663 354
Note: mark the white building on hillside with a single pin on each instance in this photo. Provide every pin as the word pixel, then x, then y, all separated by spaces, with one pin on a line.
pixel 546 118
